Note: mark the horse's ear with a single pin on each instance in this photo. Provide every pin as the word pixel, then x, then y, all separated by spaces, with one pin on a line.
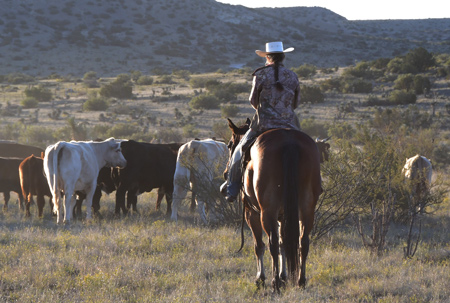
pixel 232 126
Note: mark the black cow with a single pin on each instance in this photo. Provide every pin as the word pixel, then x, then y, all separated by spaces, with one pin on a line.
pixel 104 183
pixel 149 166
pixel 10 180
pixel 16 150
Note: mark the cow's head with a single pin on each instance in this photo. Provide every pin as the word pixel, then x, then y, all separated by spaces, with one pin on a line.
pixel 324 149
pixel 113 154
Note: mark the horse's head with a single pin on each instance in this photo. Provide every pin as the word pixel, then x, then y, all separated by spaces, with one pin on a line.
pixel 237 132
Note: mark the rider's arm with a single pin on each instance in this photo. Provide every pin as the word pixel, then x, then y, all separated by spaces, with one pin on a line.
pixel 254 94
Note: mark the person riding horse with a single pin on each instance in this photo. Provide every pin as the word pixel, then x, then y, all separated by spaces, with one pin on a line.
pixel 275 94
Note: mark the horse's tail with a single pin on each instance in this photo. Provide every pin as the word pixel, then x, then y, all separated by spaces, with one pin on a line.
pixel 290 232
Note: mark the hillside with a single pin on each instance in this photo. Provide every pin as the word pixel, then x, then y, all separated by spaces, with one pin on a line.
pixel 41 37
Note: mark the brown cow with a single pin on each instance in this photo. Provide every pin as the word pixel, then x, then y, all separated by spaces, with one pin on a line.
pixel 9 179
pixel 33 182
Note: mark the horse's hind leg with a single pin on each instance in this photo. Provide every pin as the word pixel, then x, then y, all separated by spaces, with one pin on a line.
pixel 270 225
pixel 282 259
pixel 304 238
pixel 253 221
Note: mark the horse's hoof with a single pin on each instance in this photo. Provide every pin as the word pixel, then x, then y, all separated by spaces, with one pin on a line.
pixel 302 283
pixel 260 283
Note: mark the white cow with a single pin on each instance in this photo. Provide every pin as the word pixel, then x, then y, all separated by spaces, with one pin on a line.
pixel 418 171
pixel 199 162
pixel 74 166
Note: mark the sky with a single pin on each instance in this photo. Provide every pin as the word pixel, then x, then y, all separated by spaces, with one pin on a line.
pixel 364 10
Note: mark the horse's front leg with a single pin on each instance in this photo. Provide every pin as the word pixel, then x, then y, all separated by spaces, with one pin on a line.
pixel 253 221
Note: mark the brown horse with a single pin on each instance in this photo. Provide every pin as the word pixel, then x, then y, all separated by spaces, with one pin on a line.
pixel 281 186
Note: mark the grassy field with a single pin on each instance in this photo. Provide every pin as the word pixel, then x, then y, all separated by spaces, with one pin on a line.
pixel 147 258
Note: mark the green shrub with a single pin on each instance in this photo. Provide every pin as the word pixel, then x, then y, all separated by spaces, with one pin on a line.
pixel 95 103
pixel 168 135
pixel 441 155
pixel 17 78
pixel 120 88
pixel 145 80
pixel 421 85
pixel 190 131
pixel 305 70
pixel 311 94
pixel 402 97
pixel 341 130
pixel 165 79
pixel 314 128
pixel 229 111
pixel 198 82
pixel 122 131
pixel 204 101
pixel 357 86
pixel 181 73
pixel 37 136
pixel 90 79
pixel 40 93
pixel 29 102
pixel 331 84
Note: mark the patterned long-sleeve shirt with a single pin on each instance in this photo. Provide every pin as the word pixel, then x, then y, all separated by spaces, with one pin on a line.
pixel 275 107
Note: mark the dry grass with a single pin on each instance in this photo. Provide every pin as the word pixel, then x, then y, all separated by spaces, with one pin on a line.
pixel 147 258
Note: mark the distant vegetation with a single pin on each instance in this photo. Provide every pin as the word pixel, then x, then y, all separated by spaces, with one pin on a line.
pixel 377 114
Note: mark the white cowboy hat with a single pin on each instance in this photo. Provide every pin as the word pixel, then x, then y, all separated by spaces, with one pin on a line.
pixel 273 47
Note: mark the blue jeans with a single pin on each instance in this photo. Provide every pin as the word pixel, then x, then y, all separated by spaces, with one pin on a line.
pixel 235 169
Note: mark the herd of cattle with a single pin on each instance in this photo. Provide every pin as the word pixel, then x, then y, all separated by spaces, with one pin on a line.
pixel 70 172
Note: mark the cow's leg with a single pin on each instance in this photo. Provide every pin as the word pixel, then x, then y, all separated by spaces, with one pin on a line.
pixel 96 200
pixel 21 207
pixel 40 204
pixel 169 196
pixel 159 197
pixel 69 204
pixel 28 201
pixel 120 200
pixel 58 201
pixel 193 203
pixel 201 210
pixel 132 200
pixel 77 208
pixel 6 196
pixel 89 195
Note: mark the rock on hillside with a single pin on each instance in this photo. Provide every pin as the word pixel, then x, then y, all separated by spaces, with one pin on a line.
pixel 39 37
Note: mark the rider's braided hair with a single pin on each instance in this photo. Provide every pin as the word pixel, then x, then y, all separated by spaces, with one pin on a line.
pixel 277 59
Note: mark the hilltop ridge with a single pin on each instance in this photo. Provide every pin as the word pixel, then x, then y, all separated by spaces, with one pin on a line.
pixel 110 37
